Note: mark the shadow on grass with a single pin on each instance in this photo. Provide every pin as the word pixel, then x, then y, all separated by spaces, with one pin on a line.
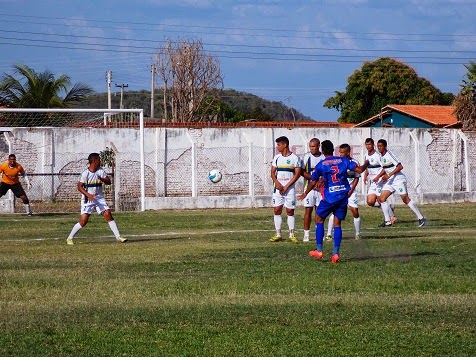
pixel 388 234
pixel 396 256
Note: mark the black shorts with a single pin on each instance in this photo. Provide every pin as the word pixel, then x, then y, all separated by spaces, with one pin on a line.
pixel 16 188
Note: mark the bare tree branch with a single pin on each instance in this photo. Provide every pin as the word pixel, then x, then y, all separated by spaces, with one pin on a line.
pixel 189 78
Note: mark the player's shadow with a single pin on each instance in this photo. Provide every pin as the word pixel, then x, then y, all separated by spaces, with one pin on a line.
pixel 396 256
pixel 388 234
pixel 49 214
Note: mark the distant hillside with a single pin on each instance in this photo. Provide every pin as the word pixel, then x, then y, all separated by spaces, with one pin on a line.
pixel 249 106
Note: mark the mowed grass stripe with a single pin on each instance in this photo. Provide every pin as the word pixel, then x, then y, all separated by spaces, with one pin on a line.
pixel 228 291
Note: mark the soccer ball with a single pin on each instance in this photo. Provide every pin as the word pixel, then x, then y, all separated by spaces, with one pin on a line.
pixel 215 175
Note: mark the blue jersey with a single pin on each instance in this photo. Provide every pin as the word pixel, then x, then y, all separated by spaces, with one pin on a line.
pixel 334 171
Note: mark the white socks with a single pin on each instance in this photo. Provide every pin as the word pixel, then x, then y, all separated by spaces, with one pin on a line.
pixel 330 224
pixel 291 222
pixel 357 225
pixel 114 229
pixel 415 209
pixel 75 230
pixel 385 208
pixel 278 221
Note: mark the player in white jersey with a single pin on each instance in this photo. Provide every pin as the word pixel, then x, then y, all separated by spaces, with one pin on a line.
pixel 394 181
pixel 285 171
pixel 375 188
pixel 353 178
pixel 90 185
pixel 308 163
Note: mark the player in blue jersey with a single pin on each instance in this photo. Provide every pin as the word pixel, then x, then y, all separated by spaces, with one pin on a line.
pixel 394 181
pixel 353 178
pixel 335 188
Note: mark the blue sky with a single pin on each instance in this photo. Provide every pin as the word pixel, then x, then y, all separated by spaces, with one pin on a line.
pixel 295 52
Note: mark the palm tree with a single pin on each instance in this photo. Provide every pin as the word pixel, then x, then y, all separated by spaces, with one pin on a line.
pixel 40 90
pixel 465 101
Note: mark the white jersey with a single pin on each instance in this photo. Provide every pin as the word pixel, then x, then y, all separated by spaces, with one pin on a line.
pixel 308 163
pixel 91 182
pixel 285 166
pixel 351 175
pixel 375 166
pixel 389 161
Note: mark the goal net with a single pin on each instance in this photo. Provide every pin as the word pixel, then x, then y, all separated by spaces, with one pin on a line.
pixel 52 145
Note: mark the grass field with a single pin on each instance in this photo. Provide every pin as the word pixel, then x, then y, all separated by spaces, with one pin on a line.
pixel 208 283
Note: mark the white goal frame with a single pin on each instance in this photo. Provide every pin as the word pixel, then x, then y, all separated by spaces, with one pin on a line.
pixel 106 113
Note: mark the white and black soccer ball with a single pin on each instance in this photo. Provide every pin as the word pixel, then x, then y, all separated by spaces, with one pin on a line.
pixel 215 176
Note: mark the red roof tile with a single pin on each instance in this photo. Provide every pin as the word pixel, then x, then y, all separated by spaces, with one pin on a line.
pixel 438 115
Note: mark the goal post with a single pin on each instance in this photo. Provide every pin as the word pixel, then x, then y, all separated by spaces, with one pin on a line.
pixel 53 145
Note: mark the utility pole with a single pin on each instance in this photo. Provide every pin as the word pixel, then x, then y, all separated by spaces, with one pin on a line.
pixel 108 81
pixel 122 86
pixel 152 92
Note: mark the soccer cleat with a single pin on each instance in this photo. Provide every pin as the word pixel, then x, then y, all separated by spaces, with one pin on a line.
pixel 316 254
pixel 385 224
pixel 293 239
pixel 357 236
pixel 29 214
pixel 328 238
pixel 121 240
pixel 69 241
pixel 421 222
pixel 393 219
pixel 276 239
pixel 335 258
pixel 305 239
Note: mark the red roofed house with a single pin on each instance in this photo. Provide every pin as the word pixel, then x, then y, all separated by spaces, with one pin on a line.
pixel 413 116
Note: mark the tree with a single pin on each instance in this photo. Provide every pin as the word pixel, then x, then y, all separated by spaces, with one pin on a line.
pixel 382 82
pixel 40 90
pixel 465 101
pixel 189 76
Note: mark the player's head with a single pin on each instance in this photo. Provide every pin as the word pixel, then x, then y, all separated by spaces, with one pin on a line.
pixel 283 139
pixel 282 143
pixel 370 144
pixel 344 150
pixel 327 147
pixel 11 160
pixel 92 157
pixel 382 146
pixel 314 144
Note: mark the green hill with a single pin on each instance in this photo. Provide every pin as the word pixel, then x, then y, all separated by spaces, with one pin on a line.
pixel 239 105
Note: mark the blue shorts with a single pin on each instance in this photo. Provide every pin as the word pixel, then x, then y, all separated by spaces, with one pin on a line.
pixel 339 209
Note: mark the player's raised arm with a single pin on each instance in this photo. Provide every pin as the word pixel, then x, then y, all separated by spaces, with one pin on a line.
pixel 361 168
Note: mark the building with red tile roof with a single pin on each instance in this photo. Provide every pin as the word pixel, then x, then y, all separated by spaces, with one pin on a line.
pixel 413 116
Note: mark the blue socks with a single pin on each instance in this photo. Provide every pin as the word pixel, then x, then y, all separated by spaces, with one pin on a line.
pixel 337 239
pixel 320 235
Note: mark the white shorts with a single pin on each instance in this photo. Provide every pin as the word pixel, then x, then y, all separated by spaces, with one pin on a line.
pixel 375 188
pixel 398 187
pixel 287 200
pixel 312 199
pixel 354 200
pixel 99 204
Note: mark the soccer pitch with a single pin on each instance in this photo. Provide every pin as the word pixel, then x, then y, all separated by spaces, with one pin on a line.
pixel 208 283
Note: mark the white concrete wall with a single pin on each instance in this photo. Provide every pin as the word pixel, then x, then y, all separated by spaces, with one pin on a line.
pixel 177 161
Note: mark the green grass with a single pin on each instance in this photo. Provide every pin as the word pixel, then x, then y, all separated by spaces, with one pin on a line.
pixel 200 283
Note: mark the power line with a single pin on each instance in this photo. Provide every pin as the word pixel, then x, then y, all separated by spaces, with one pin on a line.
pixel 288 30
pixel 228 54
pixel 159 42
